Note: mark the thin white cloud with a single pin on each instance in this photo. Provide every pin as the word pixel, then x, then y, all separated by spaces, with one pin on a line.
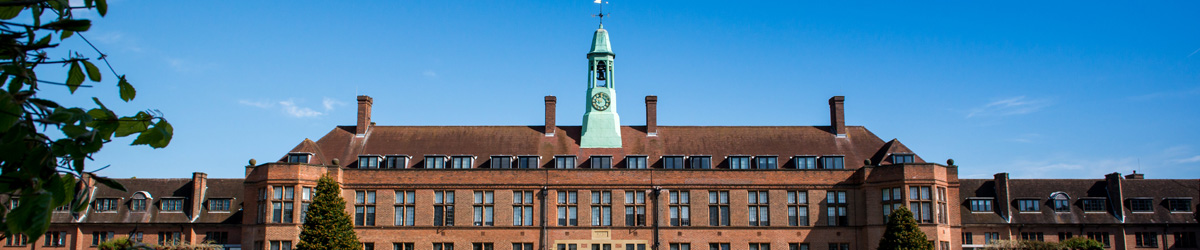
pixel 1193 53
pixel 1012 106
pixel 331 103
pixel 257 104
pixel 430 73
pixel 1025 138
pixel 1192 159
pixel 1078 168
pixel 290 108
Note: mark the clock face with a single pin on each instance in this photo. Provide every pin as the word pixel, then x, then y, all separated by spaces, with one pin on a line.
pixel 600 101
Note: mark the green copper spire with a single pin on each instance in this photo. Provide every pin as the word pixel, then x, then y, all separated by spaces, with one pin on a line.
pixel 600 43
pixel 601 125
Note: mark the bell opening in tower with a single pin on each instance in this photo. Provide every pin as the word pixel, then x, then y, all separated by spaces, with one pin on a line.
pixel 601 74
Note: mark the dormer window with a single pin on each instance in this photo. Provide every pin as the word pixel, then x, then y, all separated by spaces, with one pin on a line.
pixel 1141 204
pixel 805 162
pixel 672 162
pixel 601 161
pixel 301 157
pixel 461 161
pixel 700 162
pixel 528 161
pixel 564 161
pixel 172 204
pixel 739 162
pixel 435 161
pixel 106 204
pixel 902 158
pixel 1179 204
pixel 395 161
pixel 1060 202
pixel 368 161
pixel 501 161
pixel 766 162
pixel 138 203
pixel 832 162
pixel 1093 204
pixel 635 162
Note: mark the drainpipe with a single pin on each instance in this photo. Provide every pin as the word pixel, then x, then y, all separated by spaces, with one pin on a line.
pixel 656 192
pixel 542 196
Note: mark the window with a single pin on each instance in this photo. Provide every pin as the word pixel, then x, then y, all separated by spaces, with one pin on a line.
pixel 306 194
pixel 1064 236
pixel 839 246
pixel 1141 205
pixel 219 204
pixel 522 246
pixel 739 162
pixel 766 162
pixel 106 204
pixel 523 208
pixel 501 161
pixel 395 161
pixel 602 208
pixel 601 162
pixel 484 201
pixel 368 246
pixel 1060 202
pixel 368 161
pixel 635 162
pixel 461 161
pixel 757 246
pixel 165 238
pixel 679 204
pixel 1028 205
pixel 797 246
pixel 672 162
pixel 281 245
pixel 602 247
pixel 832 162
pixel 567 208
pixel 682 246
pixel 298 158
pixel 797 208
pixel 1032 236
pixel 1093 205
pixel 836 201
pixel 1185 239
pixel 989 238
pixel 364 208
pixel 943 212
pixel 217 237
pixel 700 162
pixel 407 246
pixel 758 208
pixel 893 198
pixel 565 247
pixel 718 208
pixel 563 162
pixel 1179 205
pixel 443 209
pixel 919 204
pixel 17 240
pixel 902 158
pixel 980 205
pixel 1102 237
pixel 481 246
pixel 635 208
pixel 262 206
pixel 405 211
pixel 289 193
pixel 1146 239
pixel 55 239
pixel 805 162
pixel 98 237
pixel 718 246
pixel 969 239
pixel 306 198
pixel 172 204
pixel 635 246
pixel 138 203
pixel 527 162
pixel 435 161
pixel 443 246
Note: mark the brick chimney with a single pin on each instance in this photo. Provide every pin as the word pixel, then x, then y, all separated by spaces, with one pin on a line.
pixel 651 115
pixel 837 117
pixel 1116 196
pixel 1002 200
pixel 1135 176
pixel 550 128
pixel 364 115
pixel 196 202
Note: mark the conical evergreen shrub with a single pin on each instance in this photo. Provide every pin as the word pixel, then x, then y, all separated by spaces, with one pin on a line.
pixel 902 233
pixel 327 225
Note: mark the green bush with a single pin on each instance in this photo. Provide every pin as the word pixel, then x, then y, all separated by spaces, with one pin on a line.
pixel 902 233
pixel 1082 243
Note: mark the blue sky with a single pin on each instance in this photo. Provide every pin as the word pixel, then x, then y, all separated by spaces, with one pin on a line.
pixel 1036 89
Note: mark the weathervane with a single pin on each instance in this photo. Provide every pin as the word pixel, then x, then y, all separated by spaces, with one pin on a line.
pixel 601 14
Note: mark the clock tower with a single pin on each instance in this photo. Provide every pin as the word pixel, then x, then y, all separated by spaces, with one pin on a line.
pixel 601 125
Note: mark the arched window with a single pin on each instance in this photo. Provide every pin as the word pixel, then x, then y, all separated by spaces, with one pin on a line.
pixel 138 203
pixel 1060 201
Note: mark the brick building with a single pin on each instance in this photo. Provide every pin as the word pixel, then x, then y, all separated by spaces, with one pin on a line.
pixel 604 186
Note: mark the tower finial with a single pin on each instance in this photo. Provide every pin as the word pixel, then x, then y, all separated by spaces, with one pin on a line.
pixel 601 14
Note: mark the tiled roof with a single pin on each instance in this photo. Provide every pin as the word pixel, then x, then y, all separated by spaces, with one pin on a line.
pixel 1041 189
pixel 158 190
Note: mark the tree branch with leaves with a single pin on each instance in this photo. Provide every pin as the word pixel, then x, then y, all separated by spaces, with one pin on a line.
pixel 44 145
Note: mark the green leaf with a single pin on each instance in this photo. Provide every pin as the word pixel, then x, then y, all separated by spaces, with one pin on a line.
pixel 128 125
pixel 108 182
pixel 157 136
pixel 32 217
pixel 127 91
pixel 62 187
pixel 44 41
pixel 10 12
pixel 10 111
pixel 102 7
pixel 74 77
pixel 65 34
pixel 72 131
pixel 77 25
pixel 92 71
pixel 87 3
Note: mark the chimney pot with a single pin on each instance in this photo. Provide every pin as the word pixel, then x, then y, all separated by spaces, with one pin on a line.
pixel 651 115
pixel 364 115
pixel 837 116
pixel 550 102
